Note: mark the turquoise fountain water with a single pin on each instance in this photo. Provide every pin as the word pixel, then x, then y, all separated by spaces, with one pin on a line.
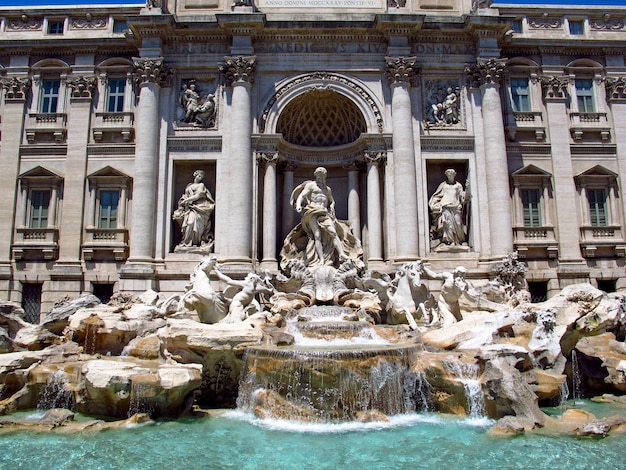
pixel 238 441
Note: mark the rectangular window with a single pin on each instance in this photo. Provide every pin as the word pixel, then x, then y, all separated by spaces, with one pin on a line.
pixel 39 204
pixel 109 201
pixel 531 200
pixel 584 94
pixel 597 207
pixel 50 96
pixel 117 86
pixel 576 27
pixel 55 26
pixel 31 301
pixel 120 26
pixel 520 94
pixel 516 27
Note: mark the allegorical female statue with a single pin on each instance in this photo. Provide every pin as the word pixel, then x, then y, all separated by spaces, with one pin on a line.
pixel 446 205
pixel 195 208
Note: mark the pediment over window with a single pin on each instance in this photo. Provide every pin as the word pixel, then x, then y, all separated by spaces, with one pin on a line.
pixel 40 173
pixel 108 172
pixel 531 170
pixel 596 175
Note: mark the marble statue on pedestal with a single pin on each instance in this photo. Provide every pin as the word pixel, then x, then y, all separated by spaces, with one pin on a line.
pixel 320 239
pixel 446 205
pixel 194 212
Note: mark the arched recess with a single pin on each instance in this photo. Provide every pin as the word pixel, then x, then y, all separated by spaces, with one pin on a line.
pixel 294 87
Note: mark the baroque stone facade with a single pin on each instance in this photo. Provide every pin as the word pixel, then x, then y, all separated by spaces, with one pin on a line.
pixel 108 114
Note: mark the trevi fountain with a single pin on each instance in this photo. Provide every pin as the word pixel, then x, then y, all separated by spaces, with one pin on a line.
pixel 325 364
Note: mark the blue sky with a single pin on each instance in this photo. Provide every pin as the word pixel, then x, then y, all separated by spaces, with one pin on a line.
pixel 22 3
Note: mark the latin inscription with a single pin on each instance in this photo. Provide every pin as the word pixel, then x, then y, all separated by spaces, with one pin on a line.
pixel 366 4
pixel 355 48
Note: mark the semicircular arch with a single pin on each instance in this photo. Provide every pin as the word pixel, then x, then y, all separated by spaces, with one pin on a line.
pixel 295 87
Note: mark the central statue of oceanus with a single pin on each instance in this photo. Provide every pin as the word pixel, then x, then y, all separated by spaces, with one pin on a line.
pixel 320 239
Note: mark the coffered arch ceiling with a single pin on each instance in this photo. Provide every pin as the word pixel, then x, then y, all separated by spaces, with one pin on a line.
pixel 321 118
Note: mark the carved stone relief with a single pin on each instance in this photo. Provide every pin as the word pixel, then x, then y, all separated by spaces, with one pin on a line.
pixel 197 106
pixel 442 104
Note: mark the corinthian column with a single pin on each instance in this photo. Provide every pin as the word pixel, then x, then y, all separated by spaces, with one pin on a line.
pixel 486 75
pixel 239 73
pixel 374 213
pixel 269 206
pixel 150 73
pixel 616 96
pixel 354 202
pixel 400 72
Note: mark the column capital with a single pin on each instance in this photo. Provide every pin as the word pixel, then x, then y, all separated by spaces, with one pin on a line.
pixel 16 87
pixel 375 158
pixel 401 69
pixel 151 70
pixel 81 87
pixel 554 87
pixel 269 158
pixel 238 69
pixel 615 88
pixel 286 166
pixel 485 72
pixel 353 165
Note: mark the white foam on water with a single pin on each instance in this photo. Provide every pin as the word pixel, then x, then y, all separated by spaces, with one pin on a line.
pixel 335 427
pixel 366 336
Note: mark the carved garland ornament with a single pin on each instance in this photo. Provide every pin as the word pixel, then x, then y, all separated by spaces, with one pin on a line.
pixel 327 77
pixel 239 69
pixel 485 72
pixel 554 87
pixel 25 24
pixel 607 24
pixel 615 88
pixel 151 70
pixel 81 87
pixel 401 69
pixel 16 88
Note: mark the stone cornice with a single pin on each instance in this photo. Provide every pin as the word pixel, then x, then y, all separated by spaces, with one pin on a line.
pixel 238 69
pixel 401 69
pixel 399 25
pixel 151 25
pixel 484 72
pixel 248 24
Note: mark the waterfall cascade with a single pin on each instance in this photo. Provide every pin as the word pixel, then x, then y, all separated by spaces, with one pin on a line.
pixel 336 370
pixel 54 393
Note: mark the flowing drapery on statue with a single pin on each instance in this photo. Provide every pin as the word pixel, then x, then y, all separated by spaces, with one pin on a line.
pixel 446 205
pixel 320 238
pixel 195 208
